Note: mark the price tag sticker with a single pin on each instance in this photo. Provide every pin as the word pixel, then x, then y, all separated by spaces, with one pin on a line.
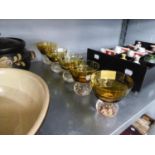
pixel 108 75
pixel 96 56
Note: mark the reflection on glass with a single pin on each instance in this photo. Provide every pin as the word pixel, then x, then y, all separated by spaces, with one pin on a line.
pixel 110 87
pixel 82 74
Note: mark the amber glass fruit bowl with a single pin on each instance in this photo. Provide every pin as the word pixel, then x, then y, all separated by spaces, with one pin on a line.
pixel 111 86
pixel 70 61
pixel 82 72
pixel 57 54
pixel 55 58
pixel 46 48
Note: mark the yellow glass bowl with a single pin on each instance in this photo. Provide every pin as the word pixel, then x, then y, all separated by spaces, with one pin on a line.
pixel 70 61
pixel 111 86
pixel 57 54
pixel 46 47
pixel 82 72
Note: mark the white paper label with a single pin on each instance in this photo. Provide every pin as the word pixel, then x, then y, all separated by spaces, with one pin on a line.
pixel 128 72
pixel 96 56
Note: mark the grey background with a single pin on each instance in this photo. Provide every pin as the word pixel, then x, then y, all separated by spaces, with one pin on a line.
pixel 73 34
pixel 140 30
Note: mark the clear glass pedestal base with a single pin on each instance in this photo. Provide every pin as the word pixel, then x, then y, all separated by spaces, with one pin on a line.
pixel 46 60
pixel 82 89
pixel 67 76
pixel 55 67
pixel 107 109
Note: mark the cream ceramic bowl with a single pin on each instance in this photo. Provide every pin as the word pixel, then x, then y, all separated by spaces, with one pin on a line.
pixel 24 100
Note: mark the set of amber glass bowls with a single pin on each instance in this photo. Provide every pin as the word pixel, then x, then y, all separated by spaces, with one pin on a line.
pixel 109 86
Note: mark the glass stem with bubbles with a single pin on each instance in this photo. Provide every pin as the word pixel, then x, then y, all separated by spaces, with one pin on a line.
pixel 46 60
pixel 107 109
pixel 67 76
pixel 55 67
pixel 82 89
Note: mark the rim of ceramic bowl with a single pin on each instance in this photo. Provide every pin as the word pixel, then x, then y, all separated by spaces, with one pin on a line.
pixel 45 106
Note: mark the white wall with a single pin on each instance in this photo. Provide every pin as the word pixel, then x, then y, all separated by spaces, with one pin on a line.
pixel 73 34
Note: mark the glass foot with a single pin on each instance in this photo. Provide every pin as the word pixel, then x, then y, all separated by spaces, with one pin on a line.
pixel 107 109
pixel 46 60
pixel 55 67
pixel 82 89
pixel 67 76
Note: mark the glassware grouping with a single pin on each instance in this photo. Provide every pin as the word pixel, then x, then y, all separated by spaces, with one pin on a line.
pixel 108 86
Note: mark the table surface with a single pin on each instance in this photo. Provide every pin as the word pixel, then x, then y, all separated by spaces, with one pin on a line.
pixel 69 113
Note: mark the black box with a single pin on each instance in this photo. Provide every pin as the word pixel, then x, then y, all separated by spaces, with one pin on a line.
pixel 146 45
pixel 141 75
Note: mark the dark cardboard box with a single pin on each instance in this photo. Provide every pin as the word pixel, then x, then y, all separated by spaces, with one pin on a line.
pixel 141 74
